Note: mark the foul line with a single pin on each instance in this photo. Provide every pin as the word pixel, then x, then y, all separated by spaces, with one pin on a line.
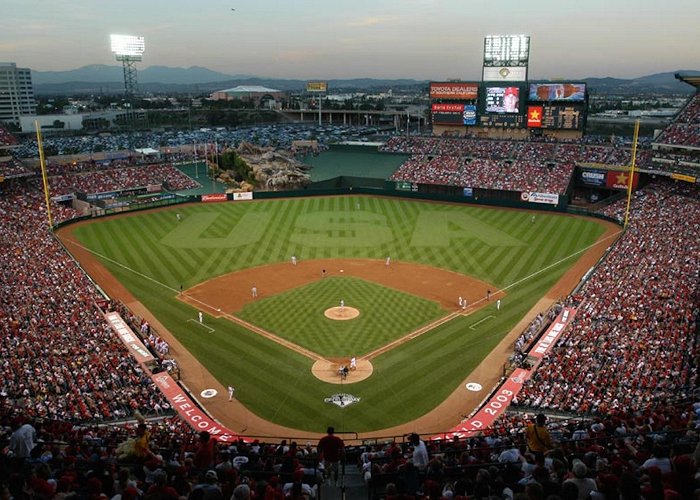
pixel 564 259
pixel 201 324
pixel 310 354
pixel 481 321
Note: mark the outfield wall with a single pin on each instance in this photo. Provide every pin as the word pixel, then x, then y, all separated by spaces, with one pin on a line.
pixel 346 185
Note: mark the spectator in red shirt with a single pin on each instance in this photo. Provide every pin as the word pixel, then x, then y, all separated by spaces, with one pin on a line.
pixel 331 450
pixel 206 448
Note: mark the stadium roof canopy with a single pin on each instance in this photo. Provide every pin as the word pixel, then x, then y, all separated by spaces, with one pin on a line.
pixel 147 151
pixel 690 80
pixel 249 89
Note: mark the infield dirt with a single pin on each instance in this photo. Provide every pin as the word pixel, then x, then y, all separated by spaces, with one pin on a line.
pixel 279 278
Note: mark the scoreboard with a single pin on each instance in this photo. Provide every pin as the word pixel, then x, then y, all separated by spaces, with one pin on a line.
pixel 502 120
pixel 551 116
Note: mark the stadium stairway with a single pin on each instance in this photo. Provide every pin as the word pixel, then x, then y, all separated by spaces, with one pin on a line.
pixel 353 485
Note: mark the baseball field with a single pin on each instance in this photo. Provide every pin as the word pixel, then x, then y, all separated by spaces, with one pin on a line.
pixel 414 344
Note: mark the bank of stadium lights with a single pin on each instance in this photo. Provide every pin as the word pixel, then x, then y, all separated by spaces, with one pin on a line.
pixel 128 49
pixel 506 49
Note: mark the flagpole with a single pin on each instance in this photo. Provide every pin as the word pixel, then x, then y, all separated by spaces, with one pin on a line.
pixel 631 171
pixel 42 162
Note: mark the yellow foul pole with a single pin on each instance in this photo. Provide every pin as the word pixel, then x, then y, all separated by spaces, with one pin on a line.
pixel 45 180
pixel 631 171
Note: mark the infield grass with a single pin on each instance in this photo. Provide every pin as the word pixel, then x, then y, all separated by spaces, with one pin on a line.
pixel 156 254
pixel 385 314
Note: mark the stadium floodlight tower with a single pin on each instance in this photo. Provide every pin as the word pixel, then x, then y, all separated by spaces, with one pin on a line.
pixel 129 49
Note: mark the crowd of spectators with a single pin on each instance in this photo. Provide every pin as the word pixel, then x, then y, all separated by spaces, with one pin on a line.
pixel 681 134
pixel 650 452
pixel 685 128
pixel 11 167
pixel 59 357
pixel 522 344
pixel 120 178
pixel 6 138
pixel 634 340
pixel 629 353
pixel 502 164
pixel 509 175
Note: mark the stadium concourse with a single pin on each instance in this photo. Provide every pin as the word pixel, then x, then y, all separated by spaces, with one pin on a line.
pixel 620 384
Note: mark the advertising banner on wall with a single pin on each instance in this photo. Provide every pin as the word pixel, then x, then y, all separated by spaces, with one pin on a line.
pixel 453 114
pixel 534 116
pixel 214 197
pixel 189 411
pixel 457 91
pixel 593 177
pixel 547 198
pixel 242 196
pixel 620 180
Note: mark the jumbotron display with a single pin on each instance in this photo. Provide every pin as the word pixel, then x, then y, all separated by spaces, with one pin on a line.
pixel 557 92
pixel 502 100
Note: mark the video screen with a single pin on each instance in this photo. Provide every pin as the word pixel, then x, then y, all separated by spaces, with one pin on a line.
pixel 557 92
pixel 502 100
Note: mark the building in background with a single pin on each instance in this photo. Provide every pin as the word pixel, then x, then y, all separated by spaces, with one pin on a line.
pixel 260 96
pixel 16 93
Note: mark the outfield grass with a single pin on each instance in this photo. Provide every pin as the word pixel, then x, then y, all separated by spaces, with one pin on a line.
pixel 385 314
pixel 156 255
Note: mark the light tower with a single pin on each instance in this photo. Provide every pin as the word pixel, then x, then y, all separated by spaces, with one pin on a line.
pixel 129 49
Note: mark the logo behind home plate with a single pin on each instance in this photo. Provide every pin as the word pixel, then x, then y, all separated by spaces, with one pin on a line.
pixel 342 400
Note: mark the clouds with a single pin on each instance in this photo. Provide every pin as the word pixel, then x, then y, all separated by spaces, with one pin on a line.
pixel 423 39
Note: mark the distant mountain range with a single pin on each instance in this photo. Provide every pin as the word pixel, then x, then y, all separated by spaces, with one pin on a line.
pixel 100 78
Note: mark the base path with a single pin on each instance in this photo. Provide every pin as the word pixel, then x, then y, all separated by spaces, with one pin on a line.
pixel 445 416
pixel 229 293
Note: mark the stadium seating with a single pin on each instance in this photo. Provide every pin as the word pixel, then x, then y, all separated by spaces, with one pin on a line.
pixel 633 342
pixel 624 374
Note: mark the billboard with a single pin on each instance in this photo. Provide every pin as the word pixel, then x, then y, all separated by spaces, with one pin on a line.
pixel 453 114
pixel 317 86
pixel 454 90
pixel 502 100
pixel 620 180
pixel 593 177
pixel 557 92
pixel 504 74
pixel 555 117
pixel 547 198
pixel 534 116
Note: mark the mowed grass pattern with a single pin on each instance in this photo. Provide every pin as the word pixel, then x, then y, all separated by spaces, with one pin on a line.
pixel 385 314
pixel 502 247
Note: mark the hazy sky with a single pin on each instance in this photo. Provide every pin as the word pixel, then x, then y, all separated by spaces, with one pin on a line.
pixel 309 39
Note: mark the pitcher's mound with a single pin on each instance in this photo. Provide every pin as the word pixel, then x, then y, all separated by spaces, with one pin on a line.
pixel 341 313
